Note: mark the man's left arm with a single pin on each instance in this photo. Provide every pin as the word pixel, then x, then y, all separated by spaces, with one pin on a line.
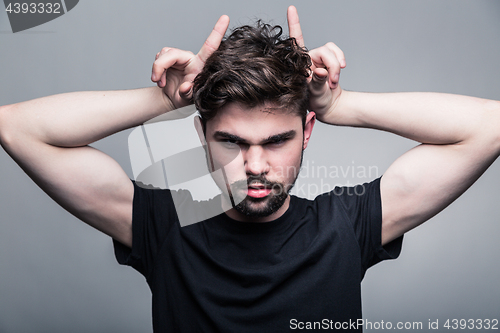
pixel 460 139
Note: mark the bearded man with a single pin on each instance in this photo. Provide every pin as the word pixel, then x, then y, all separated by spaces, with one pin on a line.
pixel 271 261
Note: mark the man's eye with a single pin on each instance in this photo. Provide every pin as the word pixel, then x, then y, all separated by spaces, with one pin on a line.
pixel 230 143
pixel 277 142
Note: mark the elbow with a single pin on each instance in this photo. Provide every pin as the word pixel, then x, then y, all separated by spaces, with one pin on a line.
pixel 4 113
pixel 488 129
pixel 497 128
pixel 7 126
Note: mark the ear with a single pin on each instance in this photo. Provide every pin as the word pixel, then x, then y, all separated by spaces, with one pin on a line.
pixel 308 127
pixel 199 129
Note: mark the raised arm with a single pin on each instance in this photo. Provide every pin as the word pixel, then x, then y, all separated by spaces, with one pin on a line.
pixel 459 136
pixel 460 139
pixel 49 137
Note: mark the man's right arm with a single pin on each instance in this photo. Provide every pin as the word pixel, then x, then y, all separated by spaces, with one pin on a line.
pixel 49 137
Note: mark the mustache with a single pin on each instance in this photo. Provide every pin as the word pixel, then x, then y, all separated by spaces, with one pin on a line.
pixel 244 183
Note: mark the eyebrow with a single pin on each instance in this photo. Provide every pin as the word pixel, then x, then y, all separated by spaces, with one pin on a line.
pixel 273 138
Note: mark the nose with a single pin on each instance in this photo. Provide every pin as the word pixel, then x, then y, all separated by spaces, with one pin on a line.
pixel 255 161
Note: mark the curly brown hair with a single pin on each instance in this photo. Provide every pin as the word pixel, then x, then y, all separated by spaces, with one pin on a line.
pixel 253 66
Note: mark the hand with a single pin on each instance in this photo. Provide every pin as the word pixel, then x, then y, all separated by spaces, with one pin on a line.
pixel 327 62
pixel 174 70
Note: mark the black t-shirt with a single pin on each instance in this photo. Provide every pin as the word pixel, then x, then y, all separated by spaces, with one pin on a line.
pixel 222 275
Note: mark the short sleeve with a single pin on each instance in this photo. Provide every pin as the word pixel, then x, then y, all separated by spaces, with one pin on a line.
pixel 363 206
pixel 153 217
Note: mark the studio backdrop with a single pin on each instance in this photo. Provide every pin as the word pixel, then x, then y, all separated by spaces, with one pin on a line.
pixel 59 275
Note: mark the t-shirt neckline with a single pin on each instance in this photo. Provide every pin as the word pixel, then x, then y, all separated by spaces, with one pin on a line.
pixel 276 225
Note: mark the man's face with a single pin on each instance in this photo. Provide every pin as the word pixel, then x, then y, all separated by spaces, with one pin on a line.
pixel 260 152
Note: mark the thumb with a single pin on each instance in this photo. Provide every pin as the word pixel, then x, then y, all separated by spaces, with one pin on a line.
pixel 317 85
pixel 186 90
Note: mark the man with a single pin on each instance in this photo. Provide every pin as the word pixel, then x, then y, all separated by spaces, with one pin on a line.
pixel 414 188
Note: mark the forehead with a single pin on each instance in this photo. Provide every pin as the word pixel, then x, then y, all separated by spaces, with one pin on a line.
pixel 253 123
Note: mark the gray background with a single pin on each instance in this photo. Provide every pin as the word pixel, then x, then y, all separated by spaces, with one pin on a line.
pixel 59 275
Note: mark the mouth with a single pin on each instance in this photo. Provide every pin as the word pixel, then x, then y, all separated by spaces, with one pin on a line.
pixel 257 190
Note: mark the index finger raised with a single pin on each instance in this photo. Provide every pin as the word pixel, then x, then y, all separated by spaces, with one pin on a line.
pixel 294 25
pixel 213 41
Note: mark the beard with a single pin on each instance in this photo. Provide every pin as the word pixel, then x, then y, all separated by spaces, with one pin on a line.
pixel 260 207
